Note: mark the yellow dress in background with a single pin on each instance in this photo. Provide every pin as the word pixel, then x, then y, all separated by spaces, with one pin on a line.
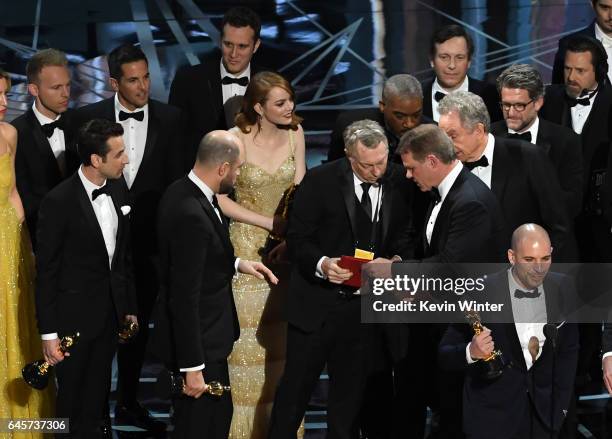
pixel 19 339
pixel 258 359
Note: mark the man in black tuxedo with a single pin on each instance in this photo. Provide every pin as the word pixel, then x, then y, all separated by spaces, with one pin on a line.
pixel 151 133
pixel 197 323
pixel 463 224
pixel 359 202
pixel 202 90
pixel 583 104
pixel 83 275
pixel 521 177
pixel 450 54
pixel 399 110
pixel 522 95
pixel 532 396
pixel 600 28
pixel 46 154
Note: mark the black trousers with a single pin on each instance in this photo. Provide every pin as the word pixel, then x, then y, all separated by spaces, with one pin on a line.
pixel 208 416
pixel 130 357
pixel 339 343
pixel 84 380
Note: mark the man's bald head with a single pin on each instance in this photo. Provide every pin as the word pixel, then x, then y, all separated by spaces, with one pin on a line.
pixel 530 255
pixel 530 233
pixel 218 147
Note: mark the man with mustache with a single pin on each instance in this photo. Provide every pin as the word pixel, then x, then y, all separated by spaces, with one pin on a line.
pixel 600 28
pixel 46 154
pixel 400 109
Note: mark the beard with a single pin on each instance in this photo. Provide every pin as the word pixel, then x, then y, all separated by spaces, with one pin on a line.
pixel 227 185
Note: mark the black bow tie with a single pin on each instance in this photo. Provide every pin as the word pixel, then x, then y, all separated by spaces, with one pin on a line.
pixel 520 294
pixel 97 192
pixel 482 161
pixel 244 81
pixel 435 195
pixel 572 102
pixel 137 115
pixel 525 136
pixel 48 128
pixel 438 96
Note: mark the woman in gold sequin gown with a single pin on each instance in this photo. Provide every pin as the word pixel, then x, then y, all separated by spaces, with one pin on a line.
pixel 19 339
pixel 274 150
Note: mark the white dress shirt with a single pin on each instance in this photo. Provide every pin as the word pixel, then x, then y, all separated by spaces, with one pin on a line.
pixel 524 309
pixel 607 43
pixel 580 114
pixel 437 87
pixel 105 212
pixel 231 90
pixel 134 138
pixel 208 193
pixel 443 189
pixel 533 129
pixel 375 194
pixel 484 173
pixel 57 141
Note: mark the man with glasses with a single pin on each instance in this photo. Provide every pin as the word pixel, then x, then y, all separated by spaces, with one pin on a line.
pixel 522 95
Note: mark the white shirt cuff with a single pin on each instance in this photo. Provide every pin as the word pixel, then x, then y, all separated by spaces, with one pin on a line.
pixel 468 357
pixel 54 335
pixel 192 369
pixel 236 263
pixel 319 273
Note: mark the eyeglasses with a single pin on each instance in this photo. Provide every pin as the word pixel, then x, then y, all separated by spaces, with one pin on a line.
pixel 520 107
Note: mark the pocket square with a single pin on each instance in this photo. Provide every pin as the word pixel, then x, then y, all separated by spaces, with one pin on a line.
pixel 125 210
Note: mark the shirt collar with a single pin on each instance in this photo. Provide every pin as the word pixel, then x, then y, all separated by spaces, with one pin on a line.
pixel 119 107
pixel 447 183
pixel 463 87
pixel 533 129
pixel 208 192
pixel 42 119
pixel 89 186
pixel 246 72
pixel 357 181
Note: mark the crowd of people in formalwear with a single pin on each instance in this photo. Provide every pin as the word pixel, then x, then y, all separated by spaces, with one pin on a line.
pixel 213 229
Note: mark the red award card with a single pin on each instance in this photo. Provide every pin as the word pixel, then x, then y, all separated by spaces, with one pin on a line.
pixel 353 264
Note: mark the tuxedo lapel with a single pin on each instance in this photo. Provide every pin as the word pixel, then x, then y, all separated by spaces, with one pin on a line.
pixel 221 228
pixel 43 146
pixel 543 136
pixel 385 210
pixel 151 141
pixel 347 187
pixel 120 228
pixel 499 170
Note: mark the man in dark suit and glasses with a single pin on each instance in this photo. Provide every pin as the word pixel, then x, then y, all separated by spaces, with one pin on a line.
pixel 197 323
pixel 202 90
pixel 399 110
pixel 151 133
pixel 46 155
pixel 521 177
pixel 450 54
pixel 83 275
pixel 522 95
pixel 600 28
pixel 359 202
pixel 532 396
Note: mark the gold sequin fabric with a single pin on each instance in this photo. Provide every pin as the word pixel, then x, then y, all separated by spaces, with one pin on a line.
pixel 19 339
pixel 257 361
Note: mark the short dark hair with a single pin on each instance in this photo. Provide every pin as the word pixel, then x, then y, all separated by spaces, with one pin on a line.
pixel 427 139
pixel 241 16
pixel 93 138
pixel 448 32
pixel 521 76
pixel 126 53
pixel 584 43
